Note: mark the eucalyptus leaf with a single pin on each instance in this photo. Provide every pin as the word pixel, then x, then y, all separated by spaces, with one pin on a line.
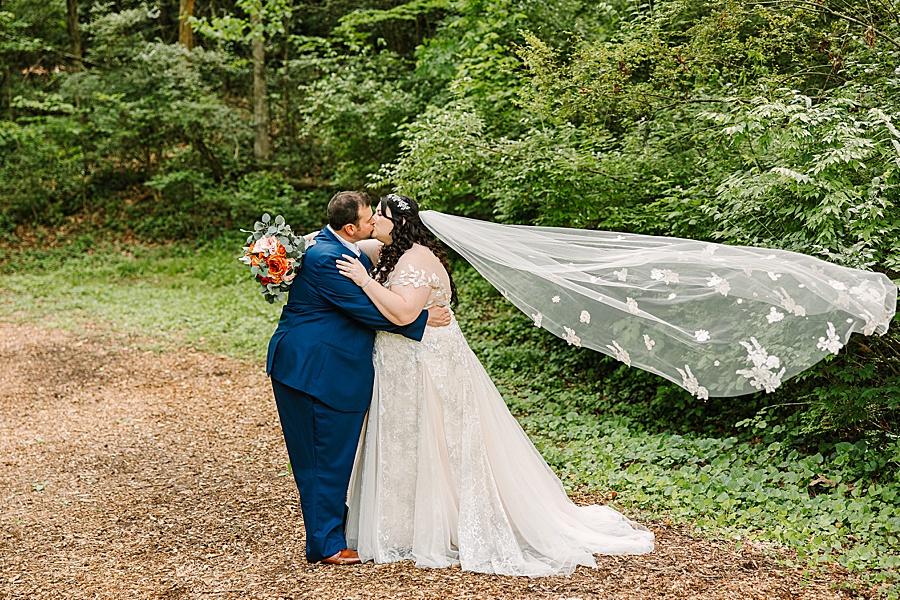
pixel 266 218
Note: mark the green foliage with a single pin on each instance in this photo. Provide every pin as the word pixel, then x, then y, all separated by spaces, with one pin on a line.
pixel 264 19
pixel 752 124
pixel 355 26
pixel 839 505
pixel 40 170
pixel 824 176
pixel 227 206
pixel 354 109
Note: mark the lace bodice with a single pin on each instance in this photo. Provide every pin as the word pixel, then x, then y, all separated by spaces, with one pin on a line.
pixel 410 274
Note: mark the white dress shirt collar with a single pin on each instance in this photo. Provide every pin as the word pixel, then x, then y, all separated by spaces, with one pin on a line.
pixel 350 245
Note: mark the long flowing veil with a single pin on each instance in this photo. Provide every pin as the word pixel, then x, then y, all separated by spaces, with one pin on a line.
pixel 717 320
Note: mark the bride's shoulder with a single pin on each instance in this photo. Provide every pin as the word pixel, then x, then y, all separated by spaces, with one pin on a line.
pixel 418 262
pixel 420 253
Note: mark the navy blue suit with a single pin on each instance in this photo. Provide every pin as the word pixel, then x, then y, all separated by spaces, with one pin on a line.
pixel 320 362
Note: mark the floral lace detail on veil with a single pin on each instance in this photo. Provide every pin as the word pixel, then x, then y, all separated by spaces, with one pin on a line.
pixel 718 320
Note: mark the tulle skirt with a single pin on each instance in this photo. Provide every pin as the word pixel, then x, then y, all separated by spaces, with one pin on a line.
pixel 444 474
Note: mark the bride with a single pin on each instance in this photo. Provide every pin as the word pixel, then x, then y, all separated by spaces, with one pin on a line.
pixel 444 474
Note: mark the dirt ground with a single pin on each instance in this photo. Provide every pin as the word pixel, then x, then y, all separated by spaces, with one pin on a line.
pixel 126 473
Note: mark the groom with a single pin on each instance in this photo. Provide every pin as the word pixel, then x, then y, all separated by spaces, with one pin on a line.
pixel 320 362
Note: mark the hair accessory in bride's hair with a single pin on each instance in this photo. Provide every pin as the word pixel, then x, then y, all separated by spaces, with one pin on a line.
pixel 400 202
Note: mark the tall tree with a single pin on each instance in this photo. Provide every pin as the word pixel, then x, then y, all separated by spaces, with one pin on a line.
pixel 265 20
pixel 74 33
pixel 185 33
pixel 260 106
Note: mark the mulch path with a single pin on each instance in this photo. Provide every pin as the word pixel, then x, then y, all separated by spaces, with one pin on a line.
pixel 128 474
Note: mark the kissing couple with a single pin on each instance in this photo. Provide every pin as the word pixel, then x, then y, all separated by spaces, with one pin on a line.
pixel 401 446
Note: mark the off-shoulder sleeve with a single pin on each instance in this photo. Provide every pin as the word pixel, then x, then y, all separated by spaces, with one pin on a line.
pixel 412 274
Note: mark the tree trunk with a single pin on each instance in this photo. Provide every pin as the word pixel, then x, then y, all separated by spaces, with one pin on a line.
pixel 211 159
pixel 74 33
pixel 185 33
pixel 260 109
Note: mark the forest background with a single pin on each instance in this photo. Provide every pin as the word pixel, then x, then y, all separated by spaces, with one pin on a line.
pixel 137 138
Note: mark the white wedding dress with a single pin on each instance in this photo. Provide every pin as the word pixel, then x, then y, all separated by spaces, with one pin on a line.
pixel 444 474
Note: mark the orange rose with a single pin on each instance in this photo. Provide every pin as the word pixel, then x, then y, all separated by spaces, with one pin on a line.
pixel 278 266
pixel 280 251
pixel 254 259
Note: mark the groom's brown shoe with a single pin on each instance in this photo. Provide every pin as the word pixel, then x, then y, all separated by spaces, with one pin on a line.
pixel 344 557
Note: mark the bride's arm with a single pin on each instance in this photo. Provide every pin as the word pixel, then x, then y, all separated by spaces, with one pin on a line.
pixel 400 307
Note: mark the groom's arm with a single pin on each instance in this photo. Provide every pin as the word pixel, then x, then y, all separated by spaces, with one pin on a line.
pixel 347 296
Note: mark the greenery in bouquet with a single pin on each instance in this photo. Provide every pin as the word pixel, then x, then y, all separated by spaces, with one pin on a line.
pixel 274 254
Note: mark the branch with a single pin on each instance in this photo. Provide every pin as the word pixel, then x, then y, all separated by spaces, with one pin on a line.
pixel 683 101
pixel 699 101
pixel 890 9
pixel 804 5
pixel 494 150
pixel 211 159
pixel 81 58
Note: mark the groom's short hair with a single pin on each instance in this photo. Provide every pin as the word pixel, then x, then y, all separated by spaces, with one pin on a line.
pixel 344 207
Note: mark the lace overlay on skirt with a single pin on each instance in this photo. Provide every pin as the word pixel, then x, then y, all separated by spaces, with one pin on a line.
pixel 444 474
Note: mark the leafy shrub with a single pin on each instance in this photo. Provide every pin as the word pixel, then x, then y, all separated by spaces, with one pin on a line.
pixel 353 109
pixel 40 169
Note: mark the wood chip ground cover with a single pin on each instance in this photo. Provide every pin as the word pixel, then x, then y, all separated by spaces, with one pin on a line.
pixel 127 473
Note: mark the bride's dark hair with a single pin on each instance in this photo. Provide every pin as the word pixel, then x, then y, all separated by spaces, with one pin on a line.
pixel 408 230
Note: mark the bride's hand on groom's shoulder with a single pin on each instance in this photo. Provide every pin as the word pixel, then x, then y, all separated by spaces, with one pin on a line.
pixel 352 268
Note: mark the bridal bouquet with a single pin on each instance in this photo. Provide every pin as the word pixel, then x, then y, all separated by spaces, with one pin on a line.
pixel 273 253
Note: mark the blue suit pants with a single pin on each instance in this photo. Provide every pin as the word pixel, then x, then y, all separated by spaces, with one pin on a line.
pixel 321 443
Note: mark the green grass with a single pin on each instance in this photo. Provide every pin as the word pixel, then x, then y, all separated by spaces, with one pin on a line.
pixel 741 489
pixel 174 296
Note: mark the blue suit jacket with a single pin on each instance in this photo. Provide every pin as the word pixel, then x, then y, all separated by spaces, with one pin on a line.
pixel 323 343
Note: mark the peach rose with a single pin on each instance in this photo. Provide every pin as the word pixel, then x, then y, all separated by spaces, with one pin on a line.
pixel 278 266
